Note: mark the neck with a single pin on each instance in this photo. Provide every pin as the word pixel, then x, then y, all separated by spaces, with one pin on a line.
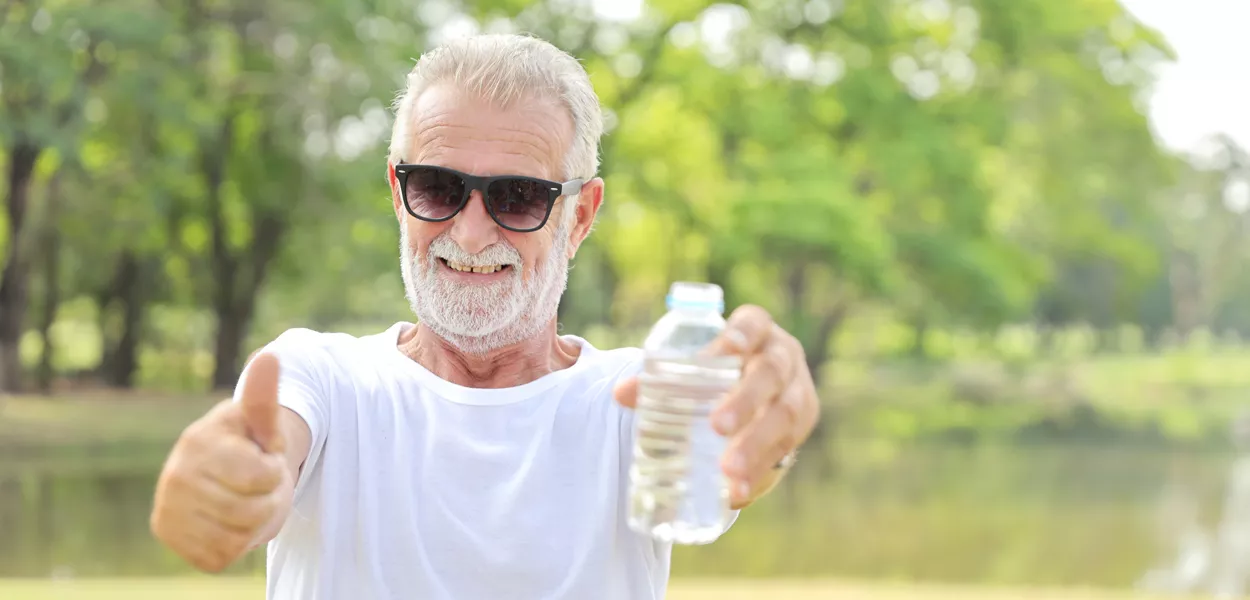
pixel 508 366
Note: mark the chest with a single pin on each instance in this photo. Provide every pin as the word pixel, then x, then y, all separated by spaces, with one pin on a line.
pixel 425 438
pixel 412 495
pixel 517 473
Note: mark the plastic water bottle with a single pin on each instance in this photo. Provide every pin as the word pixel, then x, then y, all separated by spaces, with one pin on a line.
pixel 678 492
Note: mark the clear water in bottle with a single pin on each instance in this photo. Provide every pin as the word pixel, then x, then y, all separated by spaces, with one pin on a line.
pixel 678 492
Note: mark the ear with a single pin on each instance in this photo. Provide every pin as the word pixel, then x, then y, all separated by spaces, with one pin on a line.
pixel 397 199
pixel 587 207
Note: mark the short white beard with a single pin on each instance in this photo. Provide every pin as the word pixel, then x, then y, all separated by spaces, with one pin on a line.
pixel 477 318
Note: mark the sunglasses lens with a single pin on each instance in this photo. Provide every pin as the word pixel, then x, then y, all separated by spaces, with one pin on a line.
pixel 519 203
pixel 433 193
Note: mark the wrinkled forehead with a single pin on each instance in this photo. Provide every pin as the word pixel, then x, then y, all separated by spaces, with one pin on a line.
pixel 459 130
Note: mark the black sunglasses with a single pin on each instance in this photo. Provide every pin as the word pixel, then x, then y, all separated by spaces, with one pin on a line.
pixel 516 203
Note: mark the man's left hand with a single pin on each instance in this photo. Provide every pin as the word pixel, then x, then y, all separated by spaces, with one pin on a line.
pixel 771 411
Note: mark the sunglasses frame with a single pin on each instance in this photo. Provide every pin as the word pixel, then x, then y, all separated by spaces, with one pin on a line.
pixel 555 191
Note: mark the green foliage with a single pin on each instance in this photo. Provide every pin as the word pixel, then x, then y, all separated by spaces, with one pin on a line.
pixel 968 165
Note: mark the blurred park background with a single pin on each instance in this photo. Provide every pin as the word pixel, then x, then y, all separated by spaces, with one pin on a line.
pixel 1024 296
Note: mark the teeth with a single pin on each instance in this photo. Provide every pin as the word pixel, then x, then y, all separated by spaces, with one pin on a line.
pixel 470 269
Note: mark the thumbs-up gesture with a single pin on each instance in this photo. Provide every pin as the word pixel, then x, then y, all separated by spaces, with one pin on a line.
pixel 227 485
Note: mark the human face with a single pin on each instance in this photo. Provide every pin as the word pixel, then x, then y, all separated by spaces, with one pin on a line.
pixel 514 287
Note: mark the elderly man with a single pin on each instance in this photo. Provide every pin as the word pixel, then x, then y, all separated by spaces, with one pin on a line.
pixel 476 454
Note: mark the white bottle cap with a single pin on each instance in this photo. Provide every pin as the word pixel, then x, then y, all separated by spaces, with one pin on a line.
pixel 696 296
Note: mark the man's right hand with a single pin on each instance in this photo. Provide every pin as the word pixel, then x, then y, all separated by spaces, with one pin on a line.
pixel 229 480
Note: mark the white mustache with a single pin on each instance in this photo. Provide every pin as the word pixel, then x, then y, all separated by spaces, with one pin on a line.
pixel 495 254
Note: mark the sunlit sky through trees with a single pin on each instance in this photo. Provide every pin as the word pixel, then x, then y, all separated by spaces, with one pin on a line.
pixel 1207 90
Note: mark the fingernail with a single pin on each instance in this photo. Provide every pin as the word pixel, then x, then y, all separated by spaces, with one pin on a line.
pixel 737 340
pixel 726 422
pixel 737 463
pixel 743 490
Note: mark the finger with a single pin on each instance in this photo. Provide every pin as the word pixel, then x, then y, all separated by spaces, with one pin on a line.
pixel 764 376
pixel 236 512
pixel 626 392
pixel 194 540
pixel 763 444
pixel 749 327
pixel 218 546
pixel 241 467
pixel 195 494
pixel 201 541
pixel 259 400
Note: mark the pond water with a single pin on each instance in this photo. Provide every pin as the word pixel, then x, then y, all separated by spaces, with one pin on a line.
pixel 1054 515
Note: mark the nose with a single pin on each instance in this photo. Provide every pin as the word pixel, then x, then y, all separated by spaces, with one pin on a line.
pixel 473 229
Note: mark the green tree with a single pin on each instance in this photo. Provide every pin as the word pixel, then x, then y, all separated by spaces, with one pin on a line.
pixel 55 57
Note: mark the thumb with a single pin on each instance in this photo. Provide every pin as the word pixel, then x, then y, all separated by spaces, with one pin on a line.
pixel 260 403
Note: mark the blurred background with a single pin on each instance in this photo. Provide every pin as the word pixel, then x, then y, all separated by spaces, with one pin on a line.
pixel 1011 235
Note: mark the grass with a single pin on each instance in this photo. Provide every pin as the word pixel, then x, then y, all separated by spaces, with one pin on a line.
pixel 205 588
pixel 95 418
pixel 96 431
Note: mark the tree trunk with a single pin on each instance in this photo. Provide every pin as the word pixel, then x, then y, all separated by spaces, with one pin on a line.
pixel 821 440
pixel 122 357
pixel 816 339
pixel 818 356
pixel 231 322
pixel 920 347
pixel 232 325
pixel 51 250
pixel 235 300
pixel 1187 294
pixel 14 283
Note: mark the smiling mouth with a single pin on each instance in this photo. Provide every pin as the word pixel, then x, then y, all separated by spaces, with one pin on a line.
pixel 463 268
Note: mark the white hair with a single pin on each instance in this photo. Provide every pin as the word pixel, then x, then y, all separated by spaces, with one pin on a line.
pixel 504 69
